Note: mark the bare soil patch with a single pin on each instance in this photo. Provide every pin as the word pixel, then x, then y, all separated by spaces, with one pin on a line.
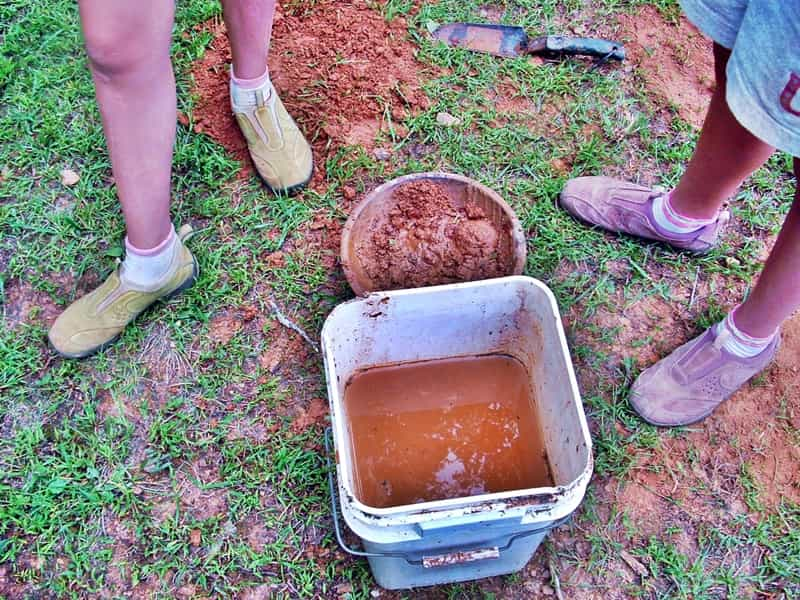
pixel 311 416
pixel 758 427
pixel 223 327
pixel 24 304
pixel 339 69
pixel 675 61
pixel 644 330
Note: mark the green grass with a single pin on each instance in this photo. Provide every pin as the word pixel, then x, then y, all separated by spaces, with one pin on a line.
pixel 89 449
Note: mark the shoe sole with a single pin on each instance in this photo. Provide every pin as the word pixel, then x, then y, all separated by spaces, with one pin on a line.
pixel 681 424
pixel 633 235
pixel 291 190
pixel 181 288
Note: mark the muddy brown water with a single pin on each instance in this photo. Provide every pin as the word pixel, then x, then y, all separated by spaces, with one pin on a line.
pixel 443 429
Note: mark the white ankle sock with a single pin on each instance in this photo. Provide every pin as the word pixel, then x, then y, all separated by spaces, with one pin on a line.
pixel 247 94
pixel 668 218
pixel 146 269
pixel 740 343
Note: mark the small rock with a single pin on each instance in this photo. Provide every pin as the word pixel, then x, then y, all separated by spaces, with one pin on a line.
pixel 560 166
pixel 547 590
pixel 375 594
pixel 737 507
pixel 69 177
pixel 731 261
pixel 447 120
pixel 382 154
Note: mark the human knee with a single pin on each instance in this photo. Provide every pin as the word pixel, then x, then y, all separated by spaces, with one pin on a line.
pixel 117 51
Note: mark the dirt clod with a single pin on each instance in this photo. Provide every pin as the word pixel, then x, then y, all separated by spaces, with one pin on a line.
pixel 194 537
pixel 222 329
pixel 308 417
pixel 427 240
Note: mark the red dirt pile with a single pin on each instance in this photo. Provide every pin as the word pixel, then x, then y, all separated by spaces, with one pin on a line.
pixel 339 67
pixel 427 240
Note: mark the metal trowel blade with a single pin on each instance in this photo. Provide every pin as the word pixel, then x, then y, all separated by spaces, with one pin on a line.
pixel 500 40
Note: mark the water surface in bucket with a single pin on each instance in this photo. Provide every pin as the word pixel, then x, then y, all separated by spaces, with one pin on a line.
pixel 444 429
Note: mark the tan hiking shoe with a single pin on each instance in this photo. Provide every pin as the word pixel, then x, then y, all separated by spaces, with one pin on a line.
pixel 280 152
pixel 686 386
pixel 628 208
pixel 95 320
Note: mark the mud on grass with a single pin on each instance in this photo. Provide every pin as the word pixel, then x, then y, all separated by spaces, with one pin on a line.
pixel 186 462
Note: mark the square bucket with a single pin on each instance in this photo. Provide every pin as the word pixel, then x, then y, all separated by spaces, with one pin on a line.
pixel 463 538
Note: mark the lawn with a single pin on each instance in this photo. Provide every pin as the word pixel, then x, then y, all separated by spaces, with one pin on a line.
pixel 187 459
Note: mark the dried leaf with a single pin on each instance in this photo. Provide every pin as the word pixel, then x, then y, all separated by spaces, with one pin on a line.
pixel 634 563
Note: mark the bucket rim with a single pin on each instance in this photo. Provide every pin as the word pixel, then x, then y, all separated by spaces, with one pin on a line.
pixel 544 501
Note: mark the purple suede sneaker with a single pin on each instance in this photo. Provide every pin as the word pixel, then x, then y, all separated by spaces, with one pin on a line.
pixel 686 386
pixel 628 208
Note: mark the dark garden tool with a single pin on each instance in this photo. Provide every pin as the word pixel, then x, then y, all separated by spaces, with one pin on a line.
pixel 508 40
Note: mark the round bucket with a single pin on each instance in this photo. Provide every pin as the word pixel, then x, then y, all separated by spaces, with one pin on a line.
pixel 461 190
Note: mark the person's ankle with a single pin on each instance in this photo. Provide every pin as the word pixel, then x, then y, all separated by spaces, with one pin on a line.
pixel 740 342
pixel 249 83
pixel 670 219
pixel 147 268
pixel 690 208
pixel 249 94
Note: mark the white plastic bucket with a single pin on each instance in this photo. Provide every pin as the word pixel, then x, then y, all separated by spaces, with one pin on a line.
pixel 466 538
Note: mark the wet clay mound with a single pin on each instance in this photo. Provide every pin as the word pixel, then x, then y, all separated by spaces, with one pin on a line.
pixel 337 67
pixel 426 239
pixel 675 61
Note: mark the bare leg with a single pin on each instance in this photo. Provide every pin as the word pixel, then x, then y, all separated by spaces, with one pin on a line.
pixel 249 24
pixel 128 44
pixel 777 293
pixel 725 156
pixel 284 167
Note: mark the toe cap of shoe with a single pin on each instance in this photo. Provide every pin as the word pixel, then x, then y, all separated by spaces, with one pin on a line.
pixel 580 189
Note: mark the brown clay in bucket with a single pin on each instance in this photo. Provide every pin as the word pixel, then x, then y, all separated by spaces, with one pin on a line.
pixel 447 428
pixel 430 229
